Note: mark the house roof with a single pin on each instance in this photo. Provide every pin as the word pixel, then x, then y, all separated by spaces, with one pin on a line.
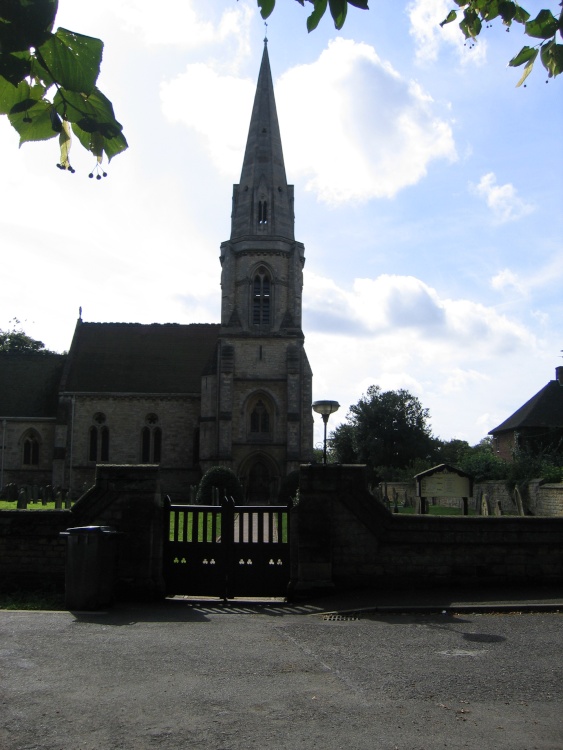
pixel 137 358
pixel 29 384
pixel 545 409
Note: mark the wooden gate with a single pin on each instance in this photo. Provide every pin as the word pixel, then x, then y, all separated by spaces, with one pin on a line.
pixel 227 551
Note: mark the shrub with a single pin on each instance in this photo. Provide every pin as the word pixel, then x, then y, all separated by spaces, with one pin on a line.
pixel 289 487
pixel 226 482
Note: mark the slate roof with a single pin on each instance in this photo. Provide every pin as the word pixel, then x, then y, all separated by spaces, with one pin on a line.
pixel 545 409
pixel 29 384
pixel 137 358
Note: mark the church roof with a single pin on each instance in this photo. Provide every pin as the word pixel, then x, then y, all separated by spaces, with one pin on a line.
pixel 263 178
pixel 29 384
pixel 137 358
pixel 545 409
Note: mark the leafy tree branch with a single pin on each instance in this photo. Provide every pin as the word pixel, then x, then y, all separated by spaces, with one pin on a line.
pixel 48 83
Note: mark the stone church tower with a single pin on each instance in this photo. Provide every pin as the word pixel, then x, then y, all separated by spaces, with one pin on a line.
pixel 256 397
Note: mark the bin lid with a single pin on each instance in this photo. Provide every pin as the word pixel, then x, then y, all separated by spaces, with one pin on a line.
pixel 89 530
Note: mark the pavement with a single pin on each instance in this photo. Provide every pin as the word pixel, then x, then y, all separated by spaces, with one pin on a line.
pixel 381 601
pixel 423 670
pixel 431 601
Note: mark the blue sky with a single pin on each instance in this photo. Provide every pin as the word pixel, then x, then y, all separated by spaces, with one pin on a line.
pixel 428 196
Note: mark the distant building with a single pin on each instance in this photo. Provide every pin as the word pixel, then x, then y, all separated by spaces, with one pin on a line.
pixel 537 425
pixel 187 397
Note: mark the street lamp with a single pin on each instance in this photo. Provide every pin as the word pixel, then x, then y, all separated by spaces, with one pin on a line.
pixel 325 409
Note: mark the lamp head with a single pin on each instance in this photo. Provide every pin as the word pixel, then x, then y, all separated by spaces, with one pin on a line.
pixel 325 408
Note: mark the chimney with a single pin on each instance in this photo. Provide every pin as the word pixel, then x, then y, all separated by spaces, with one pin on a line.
pixel 559 375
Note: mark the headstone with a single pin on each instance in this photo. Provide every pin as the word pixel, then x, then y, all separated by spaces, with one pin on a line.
pixel 22 500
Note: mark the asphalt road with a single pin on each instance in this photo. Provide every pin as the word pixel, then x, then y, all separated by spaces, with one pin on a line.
pixel 178 676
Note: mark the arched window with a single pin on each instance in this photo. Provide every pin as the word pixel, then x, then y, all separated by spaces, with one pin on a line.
pixel 262 212
pixel 98 439
pixel 259 418
pixel 261 294
pixel 151 441
pixel 31 450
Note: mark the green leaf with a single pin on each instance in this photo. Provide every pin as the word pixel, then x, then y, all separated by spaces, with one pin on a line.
pixel 552 58
pixel 26 23
pixel 65 142
pixel 316 15
pixel 452 15
pixel 15 68
pixel 525 54
pixel 91 113
pixel 18 99
pixel 73 60
pixel 266 7
pixel 471 24
pixel 34 125
pixel 527 69
pixel 362 4
pixel 507 11
pixel 95 142
pixel 338 11
pixel 521 15
pixel 543 26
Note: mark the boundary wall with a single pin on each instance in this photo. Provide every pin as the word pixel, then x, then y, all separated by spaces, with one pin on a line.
pixel 341 537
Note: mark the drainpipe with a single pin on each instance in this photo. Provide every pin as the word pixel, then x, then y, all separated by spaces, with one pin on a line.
pixel 3 449
pixel 71 446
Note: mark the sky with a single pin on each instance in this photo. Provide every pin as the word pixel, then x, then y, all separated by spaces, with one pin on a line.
pixel 428 193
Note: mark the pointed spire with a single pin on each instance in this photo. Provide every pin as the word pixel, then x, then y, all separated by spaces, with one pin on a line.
pixel 263 201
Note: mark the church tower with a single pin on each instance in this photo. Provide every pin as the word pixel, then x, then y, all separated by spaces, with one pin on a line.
pixel 256 398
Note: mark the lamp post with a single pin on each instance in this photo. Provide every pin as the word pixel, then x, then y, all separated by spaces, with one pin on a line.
pixel 325 409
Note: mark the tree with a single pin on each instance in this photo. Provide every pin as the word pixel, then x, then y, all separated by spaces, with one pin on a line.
pixel 17 341
pixel 387 430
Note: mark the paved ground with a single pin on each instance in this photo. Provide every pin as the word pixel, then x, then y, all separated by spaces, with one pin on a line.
pixel 331 673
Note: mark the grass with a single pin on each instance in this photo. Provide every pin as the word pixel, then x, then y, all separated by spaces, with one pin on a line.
pixel 46 599
pixel 13 505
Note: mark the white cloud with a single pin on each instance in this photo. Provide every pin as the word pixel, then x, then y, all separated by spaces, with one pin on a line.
pixel 403 307
pixel 355 129
pixel 182 23
pixel 506 280
pixel 503 200
pixel 425 17
pixel 200 98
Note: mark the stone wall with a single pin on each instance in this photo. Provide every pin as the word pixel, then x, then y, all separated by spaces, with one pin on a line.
pixel 127 498
pixel 539 499
pixel 346 538
pixel 32 554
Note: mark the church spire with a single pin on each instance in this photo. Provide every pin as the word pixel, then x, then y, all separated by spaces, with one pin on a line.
pixel 263 201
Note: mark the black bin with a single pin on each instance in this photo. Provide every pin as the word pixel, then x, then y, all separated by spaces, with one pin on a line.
pixel 91 561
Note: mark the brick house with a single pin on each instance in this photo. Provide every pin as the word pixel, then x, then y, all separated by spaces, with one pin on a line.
pixel 187 397
pixel 537 424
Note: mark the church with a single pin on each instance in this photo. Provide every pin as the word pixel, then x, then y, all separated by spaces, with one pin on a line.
pixel 236 393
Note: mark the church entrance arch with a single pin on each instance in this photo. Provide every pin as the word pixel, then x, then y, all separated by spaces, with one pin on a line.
pixel 260 479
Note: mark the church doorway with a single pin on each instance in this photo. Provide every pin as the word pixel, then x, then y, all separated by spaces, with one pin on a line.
pixel 258 489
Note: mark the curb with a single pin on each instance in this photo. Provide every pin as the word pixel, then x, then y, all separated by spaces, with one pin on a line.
pixel 451 609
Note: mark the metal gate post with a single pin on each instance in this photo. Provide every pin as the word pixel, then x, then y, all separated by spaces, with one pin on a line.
pixel 227 540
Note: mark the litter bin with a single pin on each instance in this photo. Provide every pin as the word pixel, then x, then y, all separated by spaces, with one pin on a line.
pixel 91 559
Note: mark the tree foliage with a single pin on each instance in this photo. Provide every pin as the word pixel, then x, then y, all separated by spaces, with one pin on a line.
pixel 48 83
pixel 475 14
pixel 387 430
pixel 48 78
pixel 545 26
pixel 16 341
